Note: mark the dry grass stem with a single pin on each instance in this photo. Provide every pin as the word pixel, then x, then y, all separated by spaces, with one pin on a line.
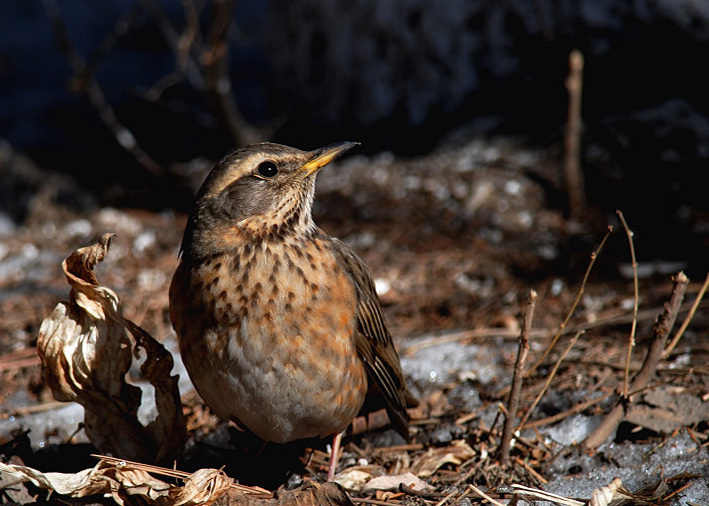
pixel 484 495
pixel 545 496
pixel 636 298
pixel 517 378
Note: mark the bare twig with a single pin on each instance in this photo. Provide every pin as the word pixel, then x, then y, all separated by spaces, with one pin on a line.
pixel 689 317
pixel 572 166
pixel 216 60
pixel 661 331
pixel 563 324
pixel 513 402
pixel 184 46
pixel 636 297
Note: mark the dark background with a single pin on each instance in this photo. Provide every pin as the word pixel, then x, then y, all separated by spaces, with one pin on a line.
pixel 397 76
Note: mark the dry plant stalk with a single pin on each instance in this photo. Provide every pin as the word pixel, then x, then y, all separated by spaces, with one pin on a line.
pixel 661 331
pixel 87 347
pixel 517 377
pixel 636 298
pixel 572 165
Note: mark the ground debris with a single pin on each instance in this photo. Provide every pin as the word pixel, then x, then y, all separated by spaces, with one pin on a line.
pixel 453 294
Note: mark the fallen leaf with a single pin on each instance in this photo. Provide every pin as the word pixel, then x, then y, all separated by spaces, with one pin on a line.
pixel 455 453
pixel 107 479
pixel 87 347
pixel 202 487
pixel 394 482
pixel 354 478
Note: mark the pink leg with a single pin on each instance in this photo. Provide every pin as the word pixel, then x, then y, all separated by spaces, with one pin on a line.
pixel 334 456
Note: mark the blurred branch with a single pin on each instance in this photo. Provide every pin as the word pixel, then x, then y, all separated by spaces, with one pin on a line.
pixel 216 63
pixel 84 81
pixel 183 45
pixel 201 60
pixel 572 166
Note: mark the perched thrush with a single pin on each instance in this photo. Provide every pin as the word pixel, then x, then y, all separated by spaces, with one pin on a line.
pixel 279 324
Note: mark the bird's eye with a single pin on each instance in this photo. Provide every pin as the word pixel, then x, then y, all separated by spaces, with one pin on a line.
pixel 267 169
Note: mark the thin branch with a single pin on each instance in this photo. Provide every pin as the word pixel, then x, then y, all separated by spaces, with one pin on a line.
pixel 580 293
pixel 85 81
pixel 517 377
pixel 661 331
pixel 183 45
pixel 636 298
pixel 216 58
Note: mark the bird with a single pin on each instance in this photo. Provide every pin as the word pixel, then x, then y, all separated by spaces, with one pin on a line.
pixel 279 324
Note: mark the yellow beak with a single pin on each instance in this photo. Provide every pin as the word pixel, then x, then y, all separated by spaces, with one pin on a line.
pixel 323 156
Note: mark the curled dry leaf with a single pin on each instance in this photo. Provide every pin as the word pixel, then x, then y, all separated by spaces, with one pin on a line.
pixel 456 453
pixel 126 483
pixel 87 347
pixel 202 487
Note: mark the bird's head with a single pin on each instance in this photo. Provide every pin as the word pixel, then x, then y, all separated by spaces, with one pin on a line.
pixel 261 189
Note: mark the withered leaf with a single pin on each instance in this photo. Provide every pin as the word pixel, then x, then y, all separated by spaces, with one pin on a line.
pixel 456 453
pixel 87 346
pixel 125 481
pixel 106 478
pixel 393 482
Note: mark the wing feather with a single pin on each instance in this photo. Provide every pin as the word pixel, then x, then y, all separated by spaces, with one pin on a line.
pixel 374 342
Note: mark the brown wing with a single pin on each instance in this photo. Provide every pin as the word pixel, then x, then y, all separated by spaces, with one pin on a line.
pixel 374 342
